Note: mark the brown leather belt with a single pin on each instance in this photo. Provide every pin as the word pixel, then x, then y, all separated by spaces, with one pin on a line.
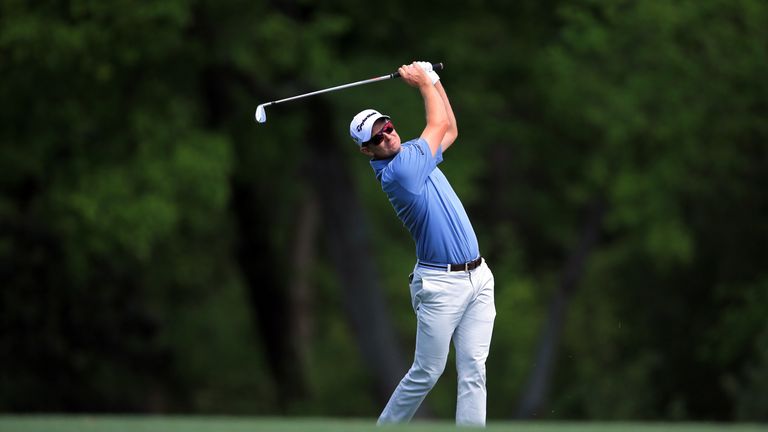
pixel 468 266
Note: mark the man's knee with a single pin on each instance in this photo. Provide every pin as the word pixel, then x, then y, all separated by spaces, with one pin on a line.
pixel 435 374
pixel 427 373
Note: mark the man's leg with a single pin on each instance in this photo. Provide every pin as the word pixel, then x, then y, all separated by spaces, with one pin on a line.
pixel 438 311
pixel 472 341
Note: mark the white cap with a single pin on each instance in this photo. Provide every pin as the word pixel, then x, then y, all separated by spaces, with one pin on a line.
pixel 362 123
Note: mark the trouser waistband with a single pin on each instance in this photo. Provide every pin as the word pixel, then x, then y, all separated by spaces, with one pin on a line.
pixel 467 266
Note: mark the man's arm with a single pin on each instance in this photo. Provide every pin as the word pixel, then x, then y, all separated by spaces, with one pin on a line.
pixel 453 129
pixel 437 117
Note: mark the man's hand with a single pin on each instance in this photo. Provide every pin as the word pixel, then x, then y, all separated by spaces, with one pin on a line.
pixel 414 75
pixel 427 66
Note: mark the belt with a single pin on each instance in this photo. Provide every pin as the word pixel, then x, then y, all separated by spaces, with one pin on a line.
pixel 467 266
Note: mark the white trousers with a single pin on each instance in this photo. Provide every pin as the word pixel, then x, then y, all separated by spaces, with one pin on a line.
pixel 448 305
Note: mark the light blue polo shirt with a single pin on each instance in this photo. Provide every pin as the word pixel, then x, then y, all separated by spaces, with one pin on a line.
pixel 426 203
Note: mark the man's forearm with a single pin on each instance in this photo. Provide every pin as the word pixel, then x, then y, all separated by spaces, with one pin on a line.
pixel 437 117
pixel 446 105
pixel 453 128
pixel 434 105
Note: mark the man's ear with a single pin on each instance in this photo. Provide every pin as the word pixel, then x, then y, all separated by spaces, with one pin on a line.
pixel 366 151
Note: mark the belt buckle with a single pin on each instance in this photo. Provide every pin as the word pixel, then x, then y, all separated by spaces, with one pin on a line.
pixel 466 267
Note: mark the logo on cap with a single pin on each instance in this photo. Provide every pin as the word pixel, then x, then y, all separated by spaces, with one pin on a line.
pixel 360 126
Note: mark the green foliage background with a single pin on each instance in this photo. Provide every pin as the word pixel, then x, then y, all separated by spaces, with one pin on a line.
pixel 126 128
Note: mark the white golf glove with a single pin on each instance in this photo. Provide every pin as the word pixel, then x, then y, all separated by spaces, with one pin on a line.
pixel 427 66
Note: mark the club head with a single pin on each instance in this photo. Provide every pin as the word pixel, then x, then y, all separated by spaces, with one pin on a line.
pixel 261 115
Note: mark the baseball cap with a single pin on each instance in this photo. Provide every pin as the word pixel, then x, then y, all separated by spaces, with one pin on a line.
pixel 362 123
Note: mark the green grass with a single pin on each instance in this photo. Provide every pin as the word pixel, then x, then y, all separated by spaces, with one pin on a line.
pixel 248 424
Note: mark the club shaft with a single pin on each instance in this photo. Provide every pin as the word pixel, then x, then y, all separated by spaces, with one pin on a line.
pixel 261 115
pixel 435 66
pixel 343 86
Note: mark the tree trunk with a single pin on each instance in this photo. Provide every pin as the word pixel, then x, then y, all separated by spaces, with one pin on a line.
pixel 268 294
pixel 300 286
pixel 534 397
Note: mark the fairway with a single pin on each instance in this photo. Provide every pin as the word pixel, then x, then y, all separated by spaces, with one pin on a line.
pixel 249 424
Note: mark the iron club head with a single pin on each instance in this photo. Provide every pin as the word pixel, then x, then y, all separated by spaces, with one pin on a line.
pixel 261 115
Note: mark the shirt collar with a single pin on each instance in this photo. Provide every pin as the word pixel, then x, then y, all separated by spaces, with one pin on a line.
pixel 378 165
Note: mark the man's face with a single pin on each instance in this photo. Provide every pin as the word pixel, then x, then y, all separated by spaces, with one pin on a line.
pixel 384 142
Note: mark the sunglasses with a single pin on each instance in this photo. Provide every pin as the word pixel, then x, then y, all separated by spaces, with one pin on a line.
pixel 379 137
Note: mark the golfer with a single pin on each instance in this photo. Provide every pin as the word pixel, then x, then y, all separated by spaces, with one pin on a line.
pixel 451 285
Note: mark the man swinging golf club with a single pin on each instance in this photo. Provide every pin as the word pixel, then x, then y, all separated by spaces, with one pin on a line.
pixel 451 285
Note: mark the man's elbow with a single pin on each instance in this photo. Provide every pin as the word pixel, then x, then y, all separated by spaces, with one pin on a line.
pixel 452 133
pixel 439 127
pixel 448 140
pixel 445 126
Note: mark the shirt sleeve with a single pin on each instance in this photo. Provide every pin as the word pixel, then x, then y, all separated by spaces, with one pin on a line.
pixel 414 163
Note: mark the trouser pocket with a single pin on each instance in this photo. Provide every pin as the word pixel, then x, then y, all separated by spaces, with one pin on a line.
pixel 414 283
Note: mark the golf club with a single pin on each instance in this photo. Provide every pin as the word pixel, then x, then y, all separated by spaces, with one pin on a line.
pixel 261 115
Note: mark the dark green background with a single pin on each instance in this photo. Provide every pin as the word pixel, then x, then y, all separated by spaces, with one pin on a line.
pixel 160 252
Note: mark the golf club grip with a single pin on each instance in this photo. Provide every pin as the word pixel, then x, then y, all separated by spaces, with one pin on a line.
pixel 435 67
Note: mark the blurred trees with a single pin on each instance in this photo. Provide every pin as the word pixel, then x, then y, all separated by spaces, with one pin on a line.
pixel 667 103
pixel 160 252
